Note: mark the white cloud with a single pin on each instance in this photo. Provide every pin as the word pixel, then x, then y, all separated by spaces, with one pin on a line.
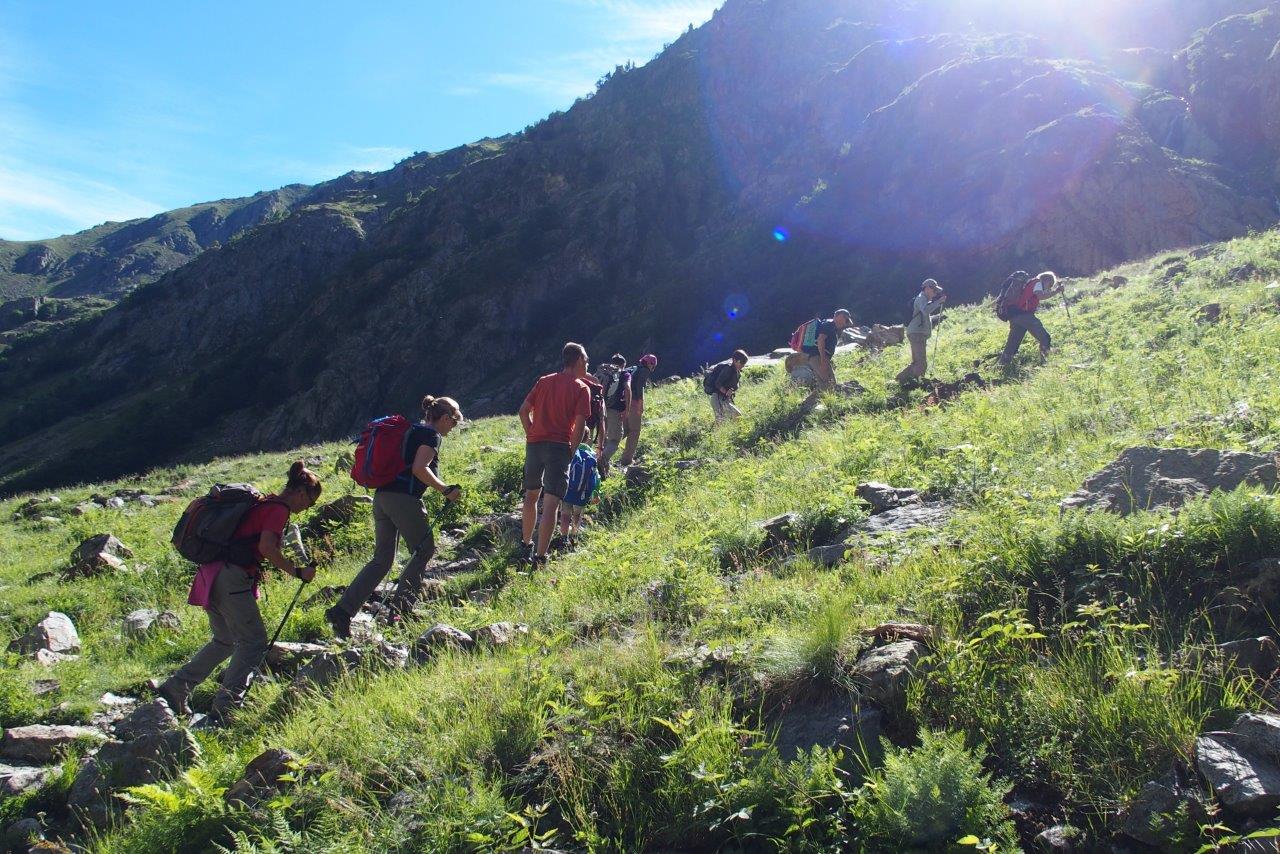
pixel 628 30
pixel 631 20
pixel 45 203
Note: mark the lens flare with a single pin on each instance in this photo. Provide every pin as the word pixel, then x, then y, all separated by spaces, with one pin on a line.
pixel 781 234
pixel 736 305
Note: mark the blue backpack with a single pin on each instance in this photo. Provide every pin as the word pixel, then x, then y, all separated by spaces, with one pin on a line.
pixel 584 479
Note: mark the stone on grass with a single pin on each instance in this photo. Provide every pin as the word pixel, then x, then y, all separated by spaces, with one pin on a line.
pixel 24 830
pixel 830 556
pixel 1242 765
pixel 906 518
pixel 326 668
pixel 99 554
pixel 780 532
pixel 832 722
pixel 499 634
pixel 884 672
pixel 265 777
pixel 1209 313
pixel 364 628
pixel 48 658
pixel 894 631
pixel 882 496
pixel 287 656
pixel 149 747
pixel 40 744
pixel 1059 839
pixel 144 621
pixel 1146 478
pixel 55 633
pixel 881 337
pixel 441 636
pixel 1162 810
pixel 19 779
pixel 1259 655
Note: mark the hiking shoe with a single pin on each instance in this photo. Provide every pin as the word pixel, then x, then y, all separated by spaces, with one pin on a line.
pixel 537 562
pixel 339 622
pixel 175 701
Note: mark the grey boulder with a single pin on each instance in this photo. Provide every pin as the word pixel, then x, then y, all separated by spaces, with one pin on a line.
pixel 883 674
pixel 40 744
pixel 1147 478
pixel 1242 765
pixel 55 633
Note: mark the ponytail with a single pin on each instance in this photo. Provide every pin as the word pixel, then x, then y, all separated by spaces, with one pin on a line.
pixel 434 408
pixel 304 479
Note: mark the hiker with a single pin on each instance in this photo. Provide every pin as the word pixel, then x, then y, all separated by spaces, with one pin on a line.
pixel 926 304
pixel 721 384
pixel 818 340
pixel 1018 306
pixel 228 591
pixel 398 513
pixel 640 376
pixel 616 381
pixel 596 420
pixel 584 483
pixel 554 416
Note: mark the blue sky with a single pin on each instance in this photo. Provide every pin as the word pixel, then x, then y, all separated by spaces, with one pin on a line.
pixel 110 111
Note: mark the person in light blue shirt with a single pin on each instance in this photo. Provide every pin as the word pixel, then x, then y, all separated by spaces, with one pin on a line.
pixel 926 304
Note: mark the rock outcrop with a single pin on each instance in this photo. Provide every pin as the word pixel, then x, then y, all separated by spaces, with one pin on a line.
pixel 1146 478
pixel 1242 765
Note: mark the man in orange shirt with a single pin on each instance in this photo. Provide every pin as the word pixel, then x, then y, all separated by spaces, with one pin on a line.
pixel 554 416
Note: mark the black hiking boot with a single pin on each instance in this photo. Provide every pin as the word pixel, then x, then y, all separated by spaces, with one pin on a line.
pixel 537 562
pixel 175 701
pixel 339 622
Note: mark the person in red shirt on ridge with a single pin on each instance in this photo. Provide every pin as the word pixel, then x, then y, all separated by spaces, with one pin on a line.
pixel 228 591
pixel 554 416
pixel 1022 316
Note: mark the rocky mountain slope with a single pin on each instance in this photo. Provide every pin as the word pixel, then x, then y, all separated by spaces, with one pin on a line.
pixel 787 156
pixel 1031 609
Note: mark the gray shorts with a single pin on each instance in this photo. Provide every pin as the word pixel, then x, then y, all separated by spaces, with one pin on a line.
pixel 546 466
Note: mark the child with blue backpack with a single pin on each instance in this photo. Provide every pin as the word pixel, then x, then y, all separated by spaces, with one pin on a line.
pixel 584 483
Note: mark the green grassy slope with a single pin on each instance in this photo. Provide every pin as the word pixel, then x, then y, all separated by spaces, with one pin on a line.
pixel 601 731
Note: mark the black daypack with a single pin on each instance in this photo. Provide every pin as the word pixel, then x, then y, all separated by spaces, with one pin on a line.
pixel 711 379
pixel 206 531
pixel 1008 292
pixel 615 389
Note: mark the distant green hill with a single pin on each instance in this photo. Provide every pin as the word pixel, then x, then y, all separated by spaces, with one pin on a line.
pixel 683 677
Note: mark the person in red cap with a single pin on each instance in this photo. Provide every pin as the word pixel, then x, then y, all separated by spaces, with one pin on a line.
pixel 640 376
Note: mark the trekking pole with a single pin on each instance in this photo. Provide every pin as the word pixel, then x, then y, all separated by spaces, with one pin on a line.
pixel 302 549
pixel 1070 323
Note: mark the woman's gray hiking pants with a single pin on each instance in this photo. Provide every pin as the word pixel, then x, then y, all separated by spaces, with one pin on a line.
pixel 1019 325
pixel 394 514
pixel 238 634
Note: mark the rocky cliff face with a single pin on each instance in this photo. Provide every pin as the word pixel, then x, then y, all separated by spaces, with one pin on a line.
pixel 885 142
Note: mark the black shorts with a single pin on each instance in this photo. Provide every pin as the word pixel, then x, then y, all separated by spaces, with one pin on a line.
pixel 546 466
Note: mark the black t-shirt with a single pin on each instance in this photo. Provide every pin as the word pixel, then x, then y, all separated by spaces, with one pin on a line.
pixel 407 483
pixel 828 328
pixel 639 377
pixel 728 377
